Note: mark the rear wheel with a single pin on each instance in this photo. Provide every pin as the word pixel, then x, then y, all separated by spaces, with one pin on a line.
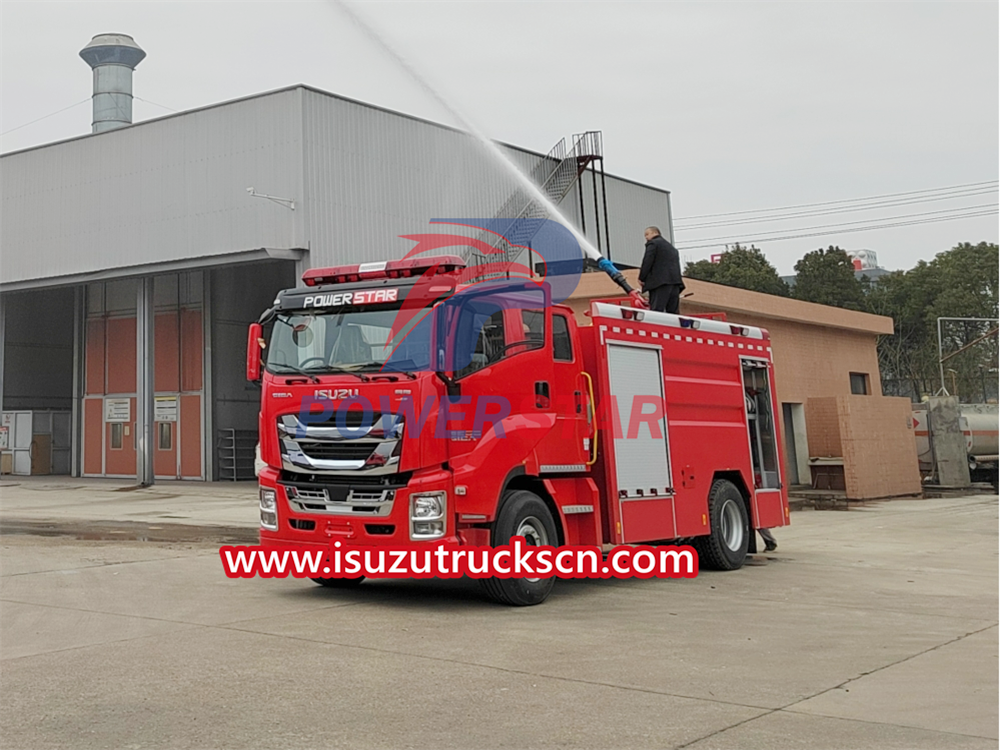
pixel 522 514
pixel 725 548
pixel 339 583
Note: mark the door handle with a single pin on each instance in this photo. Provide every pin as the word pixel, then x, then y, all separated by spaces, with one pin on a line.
pixel 542 400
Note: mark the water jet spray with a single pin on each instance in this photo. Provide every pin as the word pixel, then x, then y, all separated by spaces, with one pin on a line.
pixel 495 153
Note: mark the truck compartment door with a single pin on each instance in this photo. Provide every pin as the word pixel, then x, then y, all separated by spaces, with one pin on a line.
pixel 768 500
pixel 641 471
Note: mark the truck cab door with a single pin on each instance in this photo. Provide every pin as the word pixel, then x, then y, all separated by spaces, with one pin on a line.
pixel 499 361
pixel 570 442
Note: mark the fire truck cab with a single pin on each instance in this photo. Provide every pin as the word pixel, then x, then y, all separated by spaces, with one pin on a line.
pixel 401 405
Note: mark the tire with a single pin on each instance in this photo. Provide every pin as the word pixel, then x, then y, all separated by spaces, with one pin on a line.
pixel 524 514
pixel 725 548
pixel 339 583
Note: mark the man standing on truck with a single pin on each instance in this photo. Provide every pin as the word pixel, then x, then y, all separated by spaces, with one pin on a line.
pixel 660 273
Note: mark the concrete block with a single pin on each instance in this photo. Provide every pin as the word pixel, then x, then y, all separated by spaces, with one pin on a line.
pixel 948 442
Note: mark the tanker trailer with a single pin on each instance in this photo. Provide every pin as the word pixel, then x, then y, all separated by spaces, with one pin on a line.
pixel 978 423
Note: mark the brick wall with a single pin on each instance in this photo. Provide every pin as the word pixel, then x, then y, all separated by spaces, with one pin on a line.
pixel 880 450
pixel 815 349
pixel 823 427
pixel 813 360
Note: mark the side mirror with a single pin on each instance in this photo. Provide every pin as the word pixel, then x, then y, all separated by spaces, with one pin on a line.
pixel 254 337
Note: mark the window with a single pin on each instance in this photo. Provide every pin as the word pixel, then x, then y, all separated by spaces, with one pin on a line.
pixel 533 322
pixel 562 347
pixel 859 383
pixel 352 340
pixel 489 346
pixel 116 435
pixel 164 436
pixel 471 325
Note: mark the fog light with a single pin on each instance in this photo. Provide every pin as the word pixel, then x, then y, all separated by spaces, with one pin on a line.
pixel 428 529
pixel 427 516
pixel 269 519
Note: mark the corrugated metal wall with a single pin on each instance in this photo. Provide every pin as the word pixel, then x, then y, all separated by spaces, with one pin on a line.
pixel 38 361
pixel 372 176
pixel 175 188
pixel 169 189
pixel 631 208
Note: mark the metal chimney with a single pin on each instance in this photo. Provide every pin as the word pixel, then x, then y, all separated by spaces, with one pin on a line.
pixel 113 58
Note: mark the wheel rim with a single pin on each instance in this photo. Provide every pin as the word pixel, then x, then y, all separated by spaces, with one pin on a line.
pixel 534 534
pixel 731 526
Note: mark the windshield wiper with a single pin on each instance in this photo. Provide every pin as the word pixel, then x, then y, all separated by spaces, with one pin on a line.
pixel 364 378
pixel 383 373
pixel 298 371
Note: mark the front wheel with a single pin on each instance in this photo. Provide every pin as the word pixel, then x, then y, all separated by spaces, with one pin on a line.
pixel 725 548
pixel 523 514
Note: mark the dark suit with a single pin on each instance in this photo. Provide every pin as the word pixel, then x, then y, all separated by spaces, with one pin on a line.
pixel 660 275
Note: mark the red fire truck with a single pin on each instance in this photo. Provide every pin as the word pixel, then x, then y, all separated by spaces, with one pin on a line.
pixel 633 427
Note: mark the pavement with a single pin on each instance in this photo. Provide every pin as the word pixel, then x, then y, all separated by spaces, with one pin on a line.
pixel 48 502
pixel 872 628
pixel 165 511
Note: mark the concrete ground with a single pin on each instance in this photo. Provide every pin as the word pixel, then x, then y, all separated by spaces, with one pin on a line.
pixel 872 628
pixel 56 500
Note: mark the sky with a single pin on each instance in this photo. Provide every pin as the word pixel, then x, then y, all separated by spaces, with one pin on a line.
pixel 732 106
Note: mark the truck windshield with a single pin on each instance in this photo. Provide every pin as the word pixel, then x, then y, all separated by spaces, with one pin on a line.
pixel 352 341
pixel 469 330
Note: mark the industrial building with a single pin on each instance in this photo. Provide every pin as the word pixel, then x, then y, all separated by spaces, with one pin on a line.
pixel 134 257
pixel 169 236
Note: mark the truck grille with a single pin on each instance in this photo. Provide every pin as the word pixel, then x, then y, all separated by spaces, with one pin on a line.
pixel 355 447
pixel 307 496
pixel 340 500
pixel 352 420
pixel 345 451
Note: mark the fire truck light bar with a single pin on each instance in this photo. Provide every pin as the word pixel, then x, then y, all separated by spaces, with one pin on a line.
pixel 392 269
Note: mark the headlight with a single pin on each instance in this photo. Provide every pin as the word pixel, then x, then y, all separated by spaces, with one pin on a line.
pixel 268 499
pixel 427 515
pixel 268 509
pixel 428 506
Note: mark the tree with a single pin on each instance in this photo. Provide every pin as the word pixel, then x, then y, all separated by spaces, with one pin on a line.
pixel 703 270
pixel 827 277
pixel 906 358
pixel 959 283
pixel 743 267
pixel 965 278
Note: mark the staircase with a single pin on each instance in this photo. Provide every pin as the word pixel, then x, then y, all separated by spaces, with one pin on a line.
pixel 555 176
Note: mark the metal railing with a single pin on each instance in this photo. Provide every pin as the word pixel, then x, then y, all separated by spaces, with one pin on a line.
pixel 942 357
pixel 554 181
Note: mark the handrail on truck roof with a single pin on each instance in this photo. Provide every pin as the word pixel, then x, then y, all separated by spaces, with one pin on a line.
pixel 704 324
pixel 627 302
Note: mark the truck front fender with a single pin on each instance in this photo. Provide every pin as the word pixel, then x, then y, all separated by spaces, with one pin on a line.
pixel 485 469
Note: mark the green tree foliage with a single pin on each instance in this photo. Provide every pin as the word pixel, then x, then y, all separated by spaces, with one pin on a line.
pixel 743 267
pixel 827 277
pixel 704 270
pixel 959 283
